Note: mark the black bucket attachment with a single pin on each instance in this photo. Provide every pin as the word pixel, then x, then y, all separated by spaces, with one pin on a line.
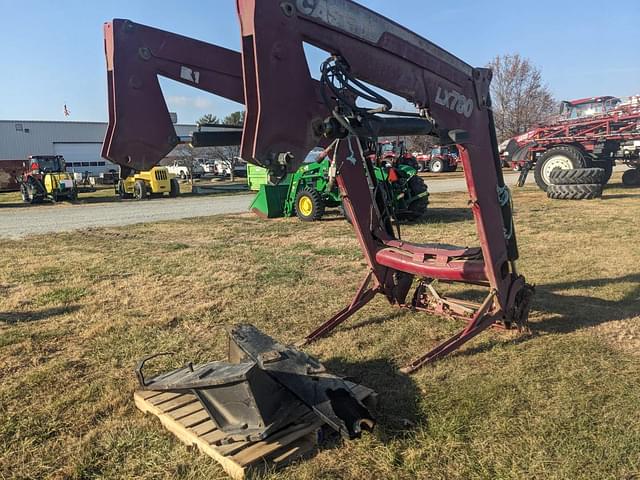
pixel 263 387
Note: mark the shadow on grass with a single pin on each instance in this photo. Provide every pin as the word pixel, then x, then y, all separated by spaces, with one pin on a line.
pixel 447 215
pixel 581 311
pixel 571 312
pixel 397 405
pixel 606 196
pixel 375 320
pixel 11 318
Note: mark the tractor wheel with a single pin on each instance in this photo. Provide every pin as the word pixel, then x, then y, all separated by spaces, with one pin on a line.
pixel 174 191
pixel 35 193
pixel 577 176
pixel 73 196
pixel 140 190
pixel 24 193
pixel 417 208
pixel 564 158
pixel 575 192
pixel 436 166
pixel 631 178
pixel 608 170
pixel 309 205
pixel 345 214
pixel 122 193
pixel 452 168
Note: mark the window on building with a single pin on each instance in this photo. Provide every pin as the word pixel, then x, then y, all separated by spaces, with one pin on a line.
pixel 93 164
pixel 19 127
pixel 85 164
pixel 101 164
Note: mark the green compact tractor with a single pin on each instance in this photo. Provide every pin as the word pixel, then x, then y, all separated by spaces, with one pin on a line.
pixel 311 189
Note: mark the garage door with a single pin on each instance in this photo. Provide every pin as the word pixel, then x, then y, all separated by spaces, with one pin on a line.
pixel 84 157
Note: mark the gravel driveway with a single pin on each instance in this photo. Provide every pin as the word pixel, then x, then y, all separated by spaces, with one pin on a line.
pixel 20 221
pixel 17 221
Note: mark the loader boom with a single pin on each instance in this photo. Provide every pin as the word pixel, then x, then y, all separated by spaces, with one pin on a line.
pixel 288 113
pixel 140 132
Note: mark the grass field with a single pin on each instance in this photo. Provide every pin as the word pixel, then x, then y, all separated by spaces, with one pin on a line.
pixel 78 310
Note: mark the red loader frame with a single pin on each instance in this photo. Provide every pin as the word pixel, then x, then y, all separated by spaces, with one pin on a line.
pixel 140 132
pixel 288 114
pixel 284 120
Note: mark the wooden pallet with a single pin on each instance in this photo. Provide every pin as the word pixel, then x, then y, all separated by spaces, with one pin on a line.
pixel 184 416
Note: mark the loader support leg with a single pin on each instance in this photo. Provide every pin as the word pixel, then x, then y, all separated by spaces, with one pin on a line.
pixel 480 322
pixel 363 296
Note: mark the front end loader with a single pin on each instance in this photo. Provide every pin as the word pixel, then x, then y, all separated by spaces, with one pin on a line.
pixel 288 113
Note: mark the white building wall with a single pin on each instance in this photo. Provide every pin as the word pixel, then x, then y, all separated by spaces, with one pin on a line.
pixel 21 138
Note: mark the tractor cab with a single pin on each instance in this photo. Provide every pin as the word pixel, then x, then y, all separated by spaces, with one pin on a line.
pixel 41 164
pixel 587 107
pixel 394 154
pixel 444 150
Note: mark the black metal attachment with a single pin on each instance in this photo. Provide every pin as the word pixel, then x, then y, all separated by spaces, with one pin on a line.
pixel 263 387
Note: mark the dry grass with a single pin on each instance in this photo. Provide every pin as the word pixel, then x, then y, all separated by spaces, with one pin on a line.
pixel 78 309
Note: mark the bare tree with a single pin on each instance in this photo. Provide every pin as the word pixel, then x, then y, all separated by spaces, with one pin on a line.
pixel 520 98
pixel 420 144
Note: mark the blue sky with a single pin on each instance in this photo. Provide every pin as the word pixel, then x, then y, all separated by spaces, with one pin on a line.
pixel 51 53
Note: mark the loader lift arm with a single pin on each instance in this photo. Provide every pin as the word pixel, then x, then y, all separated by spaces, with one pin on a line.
pixel 140 132
pixel 283 123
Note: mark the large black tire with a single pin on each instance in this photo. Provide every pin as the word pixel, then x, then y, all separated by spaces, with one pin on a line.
pixel 564 157
pixel 607 166
pixel 575 192
pixel 73 196
pixel 437 165
pixel 452 168
pixel 577 176
pixel 174 191
pixel 631 178
pixel 122 193
pixel 24 193
pixel 309 205
pixel 417 208
pixel 36 191
pixel 140 190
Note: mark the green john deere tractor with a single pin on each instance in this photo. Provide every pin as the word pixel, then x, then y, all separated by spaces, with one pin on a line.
pixel 312 188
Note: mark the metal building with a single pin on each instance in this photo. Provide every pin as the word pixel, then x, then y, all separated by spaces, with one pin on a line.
pixel 79 142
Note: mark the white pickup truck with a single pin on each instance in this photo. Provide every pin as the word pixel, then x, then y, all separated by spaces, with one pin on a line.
pixel 183 170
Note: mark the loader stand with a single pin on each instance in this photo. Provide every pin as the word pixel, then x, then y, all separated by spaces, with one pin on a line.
pixel 480 321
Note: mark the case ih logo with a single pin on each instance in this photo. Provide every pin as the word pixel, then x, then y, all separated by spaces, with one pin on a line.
pixel 455 101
